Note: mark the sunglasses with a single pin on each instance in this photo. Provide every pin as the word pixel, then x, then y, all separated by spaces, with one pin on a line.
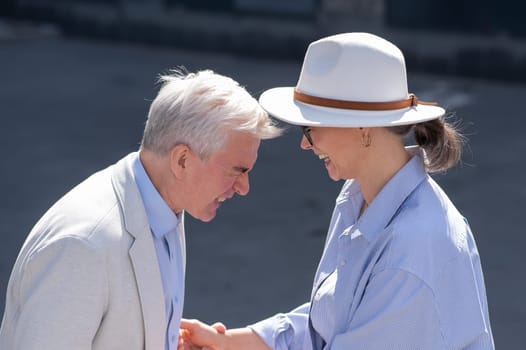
pixel 306 131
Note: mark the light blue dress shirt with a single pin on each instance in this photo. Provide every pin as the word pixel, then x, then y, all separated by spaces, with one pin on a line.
pixel 168 237
pixel 404 275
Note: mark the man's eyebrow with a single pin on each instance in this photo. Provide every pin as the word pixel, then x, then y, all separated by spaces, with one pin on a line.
pixel 241 169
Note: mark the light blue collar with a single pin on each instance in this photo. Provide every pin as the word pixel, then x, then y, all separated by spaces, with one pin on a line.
pixel 390 199
pixel 161 218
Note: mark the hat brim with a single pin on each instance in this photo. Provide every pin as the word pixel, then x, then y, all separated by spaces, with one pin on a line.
pixel 279 103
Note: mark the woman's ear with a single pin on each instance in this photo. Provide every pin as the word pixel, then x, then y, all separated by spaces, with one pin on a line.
pixel 366 138
pixel 179 156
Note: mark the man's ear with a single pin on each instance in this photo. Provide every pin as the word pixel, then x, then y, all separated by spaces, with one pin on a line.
pixel 179 156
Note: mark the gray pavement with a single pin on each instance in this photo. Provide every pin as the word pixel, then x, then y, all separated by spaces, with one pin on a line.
pixel 496 56
pixel 71 107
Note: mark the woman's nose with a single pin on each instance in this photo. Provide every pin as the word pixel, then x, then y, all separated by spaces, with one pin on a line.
pixel 305 144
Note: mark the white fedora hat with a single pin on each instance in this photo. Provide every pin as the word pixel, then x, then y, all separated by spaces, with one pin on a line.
pixel 350 80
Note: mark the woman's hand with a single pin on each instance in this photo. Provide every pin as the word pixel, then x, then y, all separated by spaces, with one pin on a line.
pixel 195 334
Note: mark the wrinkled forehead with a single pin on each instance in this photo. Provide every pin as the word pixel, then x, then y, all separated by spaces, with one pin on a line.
pixel 239 150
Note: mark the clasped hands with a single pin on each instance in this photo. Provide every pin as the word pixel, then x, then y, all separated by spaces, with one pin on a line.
pixel 195 335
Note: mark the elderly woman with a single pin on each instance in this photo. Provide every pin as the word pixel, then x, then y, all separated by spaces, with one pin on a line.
pixel 400 268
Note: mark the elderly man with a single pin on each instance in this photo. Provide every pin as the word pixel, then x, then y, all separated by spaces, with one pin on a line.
pixel 104 267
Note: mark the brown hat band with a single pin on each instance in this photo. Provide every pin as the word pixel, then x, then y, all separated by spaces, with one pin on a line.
pixel 411 101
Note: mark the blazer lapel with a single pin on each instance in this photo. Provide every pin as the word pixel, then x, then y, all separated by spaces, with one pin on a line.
pixel 144 260
pixel 142 254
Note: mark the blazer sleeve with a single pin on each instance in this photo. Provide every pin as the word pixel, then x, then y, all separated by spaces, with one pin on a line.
pixel 62 297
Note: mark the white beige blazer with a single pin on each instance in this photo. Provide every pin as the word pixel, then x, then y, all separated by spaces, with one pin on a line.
pixel 87 276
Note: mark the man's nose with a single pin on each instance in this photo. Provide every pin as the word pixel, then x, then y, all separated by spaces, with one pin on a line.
pixel 242 184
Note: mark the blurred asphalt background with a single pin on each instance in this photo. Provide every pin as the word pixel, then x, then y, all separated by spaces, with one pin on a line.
pixel 75 91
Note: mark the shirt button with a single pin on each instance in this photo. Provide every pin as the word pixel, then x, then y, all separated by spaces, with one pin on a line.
pixel 173 338
pixel 343 262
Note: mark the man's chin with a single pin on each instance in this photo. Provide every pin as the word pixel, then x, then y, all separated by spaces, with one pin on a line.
pixel 206 218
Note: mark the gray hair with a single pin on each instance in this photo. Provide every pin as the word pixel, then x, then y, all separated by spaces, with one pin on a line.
pixel 198 110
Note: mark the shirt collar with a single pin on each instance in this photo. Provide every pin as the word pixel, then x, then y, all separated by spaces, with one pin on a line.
pixel 161 218
pixel 392 196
